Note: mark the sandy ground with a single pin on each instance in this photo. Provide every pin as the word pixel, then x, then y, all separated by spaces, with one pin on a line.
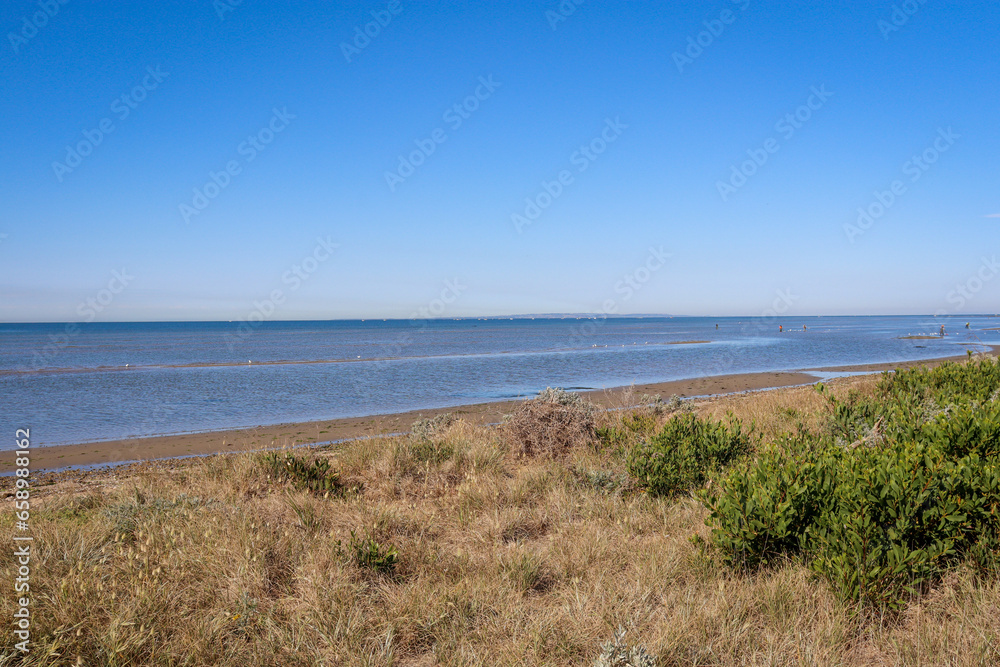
pixel 283 435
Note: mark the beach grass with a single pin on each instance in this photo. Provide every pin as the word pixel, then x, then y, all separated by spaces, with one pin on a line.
pixel 453 547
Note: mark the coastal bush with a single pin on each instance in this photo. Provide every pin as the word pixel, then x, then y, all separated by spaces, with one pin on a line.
pixel 761 509
pixel 312 475
pixel 550 424
pixel 612 438
pixel 977 381
pixel 685 451
pixel 883 504
pixel 898 519
pixel 560 396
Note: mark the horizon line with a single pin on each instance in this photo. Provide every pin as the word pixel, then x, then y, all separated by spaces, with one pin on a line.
pixel 519 316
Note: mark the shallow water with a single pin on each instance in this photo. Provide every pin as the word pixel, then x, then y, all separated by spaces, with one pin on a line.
pixel 75 383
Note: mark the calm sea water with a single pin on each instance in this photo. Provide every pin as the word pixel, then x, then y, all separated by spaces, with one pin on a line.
pixel 76 383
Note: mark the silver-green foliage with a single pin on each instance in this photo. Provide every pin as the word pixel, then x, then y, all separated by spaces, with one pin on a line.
pixel 616 653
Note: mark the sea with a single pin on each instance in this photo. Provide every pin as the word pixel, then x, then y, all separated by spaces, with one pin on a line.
pixel 76 382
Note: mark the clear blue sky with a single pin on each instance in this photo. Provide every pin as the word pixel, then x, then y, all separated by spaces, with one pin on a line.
pixel 681 118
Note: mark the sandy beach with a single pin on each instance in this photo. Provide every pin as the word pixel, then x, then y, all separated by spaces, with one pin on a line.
pixel 312 432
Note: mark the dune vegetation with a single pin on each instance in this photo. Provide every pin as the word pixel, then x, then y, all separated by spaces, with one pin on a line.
pixel 848 523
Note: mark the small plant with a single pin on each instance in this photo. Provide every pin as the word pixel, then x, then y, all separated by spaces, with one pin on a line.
pixel 366 553
pixel 306 514
pixel 426 429
pixel 651 402
pixel 526 572
pixel 560 396
pixel 604 481
pixel 620 437
pixel 676 403
pixel 312 475
pixel 639 423
pixel 431 451
pixel 612 438
pixel 243 621
pixel 685 452
pixel 616 653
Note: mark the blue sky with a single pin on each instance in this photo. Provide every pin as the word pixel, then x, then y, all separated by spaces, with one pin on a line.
pixel 652 115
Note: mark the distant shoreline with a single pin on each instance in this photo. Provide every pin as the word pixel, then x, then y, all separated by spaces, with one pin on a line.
pixel 323 431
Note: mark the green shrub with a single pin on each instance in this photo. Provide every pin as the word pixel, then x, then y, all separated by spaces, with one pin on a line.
pixel 898 519
pixel 760 511
pixel 963 430
pixel 976 381
pixel 685 452
pixel 312 475
pixel 639 423
pixel 896 492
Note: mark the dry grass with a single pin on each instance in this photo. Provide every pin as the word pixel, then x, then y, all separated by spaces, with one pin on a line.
pixel 785 410
pixel 551 425
pixel 503 561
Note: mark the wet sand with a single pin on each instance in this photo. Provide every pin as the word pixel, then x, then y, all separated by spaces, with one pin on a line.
pixel 284 435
